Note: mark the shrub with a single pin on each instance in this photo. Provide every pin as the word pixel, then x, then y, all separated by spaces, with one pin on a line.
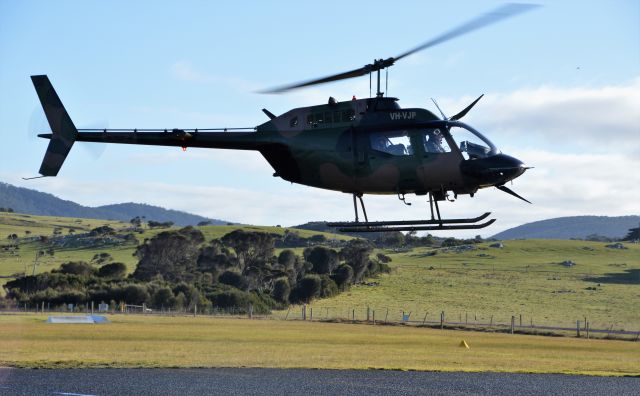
pixel 76 268
pixel 281 290
pixel 135 294
pixel 328 287
pixel 307 289
pixel 235 279
pixel 113 270
pixel 324 260
pixel 163 298
pixel 343 276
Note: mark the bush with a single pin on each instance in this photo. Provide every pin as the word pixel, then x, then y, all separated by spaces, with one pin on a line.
pixel 135 294
pixel 230 299
pixel 343 276
pixel 328 287
pixel 281 290
pixel 113 270
pixel 235 279
pixel 307 289
pixel 76 268
pixel 324 260
pixel 163 298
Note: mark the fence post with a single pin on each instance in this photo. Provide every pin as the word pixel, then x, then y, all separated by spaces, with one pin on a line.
pixel 425 318
pixel 385 316
pixel 368 313
pixel 442 320
pixel 491 322
pixel 250 311
pixel 520 320
pixel 353 315
pixel 304 312
pixel 513 323
pixel 288 310
pixel 466 318
pixel 578 328
pixel 311 313
pixel 374 316
pixel 587 330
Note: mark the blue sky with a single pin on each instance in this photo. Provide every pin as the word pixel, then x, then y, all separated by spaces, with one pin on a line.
pixel 562 86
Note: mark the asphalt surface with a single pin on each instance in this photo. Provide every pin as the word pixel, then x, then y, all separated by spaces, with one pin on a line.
pixel 185 382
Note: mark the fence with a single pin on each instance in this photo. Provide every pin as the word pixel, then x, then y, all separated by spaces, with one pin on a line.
pixel 362 315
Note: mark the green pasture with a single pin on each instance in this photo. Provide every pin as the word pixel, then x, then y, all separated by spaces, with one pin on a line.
pixel 155 341
pixel 15 223
pixel 523 278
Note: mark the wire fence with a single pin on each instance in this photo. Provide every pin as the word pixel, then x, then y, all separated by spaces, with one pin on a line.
pixel 519 324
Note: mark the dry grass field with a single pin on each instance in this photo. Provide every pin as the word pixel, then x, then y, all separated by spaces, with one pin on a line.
pixel 154 341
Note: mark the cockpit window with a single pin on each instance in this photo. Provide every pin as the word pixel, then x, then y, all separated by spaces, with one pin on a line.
pixel 471 142
pixel 396 143
pixel 434 141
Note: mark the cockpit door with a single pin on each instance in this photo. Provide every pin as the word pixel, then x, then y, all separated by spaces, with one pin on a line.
pixel 440 159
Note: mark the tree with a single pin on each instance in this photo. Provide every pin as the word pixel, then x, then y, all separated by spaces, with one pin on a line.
pixel 136 222
pixel 172 254
pixel 343 276
pixel 632 235
pixel 163 298
pixel 215 258
pixel 235 279
pixel 135 294
pixel 281 290
pixel 252 248
pixel 356 254
pixel 324 260
pixel 308 288
pixel 101 258
pixel 77 268
pixel 158 224
pixel 113 270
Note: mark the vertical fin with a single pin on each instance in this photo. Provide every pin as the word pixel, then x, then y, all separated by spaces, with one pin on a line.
pixel 64 132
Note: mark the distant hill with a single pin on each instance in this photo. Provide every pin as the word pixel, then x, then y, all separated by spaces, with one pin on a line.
pixel 24 200
pixel 576 227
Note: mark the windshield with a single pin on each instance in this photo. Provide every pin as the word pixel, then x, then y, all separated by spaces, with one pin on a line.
pixel 472 143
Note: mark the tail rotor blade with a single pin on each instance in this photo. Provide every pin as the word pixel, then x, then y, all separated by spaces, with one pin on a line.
pixel 511 192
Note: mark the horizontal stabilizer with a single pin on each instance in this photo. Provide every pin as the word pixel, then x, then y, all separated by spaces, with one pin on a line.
pixel 64 132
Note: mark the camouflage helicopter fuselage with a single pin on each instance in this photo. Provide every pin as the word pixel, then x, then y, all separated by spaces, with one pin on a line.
pixel 328 146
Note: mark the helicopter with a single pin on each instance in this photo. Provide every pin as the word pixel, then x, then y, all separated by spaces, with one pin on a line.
pixel 358 147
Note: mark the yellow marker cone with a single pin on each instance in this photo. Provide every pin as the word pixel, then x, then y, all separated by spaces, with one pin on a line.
pixel 463 344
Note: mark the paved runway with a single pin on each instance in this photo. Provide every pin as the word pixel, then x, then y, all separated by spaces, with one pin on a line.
pixel 185 382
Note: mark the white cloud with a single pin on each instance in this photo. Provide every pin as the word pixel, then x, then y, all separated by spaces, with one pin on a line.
pixel 590 119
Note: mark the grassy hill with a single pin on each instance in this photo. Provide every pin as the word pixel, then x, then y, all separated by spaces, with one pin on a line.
pixel 524 277
pixel 20 224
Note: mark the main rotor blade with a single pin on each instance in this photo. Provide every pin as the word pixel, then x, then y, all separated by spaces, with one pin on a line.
pixel 509 191
pixel 503 12
pixel 341 76
pixel 500 13
pixel 466 110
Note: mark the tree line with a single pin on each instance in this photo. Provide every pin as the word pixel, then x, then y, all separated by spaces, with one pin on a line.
pixel 178 269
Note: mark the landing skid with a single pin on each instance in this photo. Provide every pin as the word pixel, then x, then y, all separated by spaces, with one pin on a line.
pixel 411 225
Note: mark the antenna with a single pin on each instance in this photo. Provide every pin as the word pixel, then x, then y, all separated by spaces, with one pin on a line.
pixel 441 112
